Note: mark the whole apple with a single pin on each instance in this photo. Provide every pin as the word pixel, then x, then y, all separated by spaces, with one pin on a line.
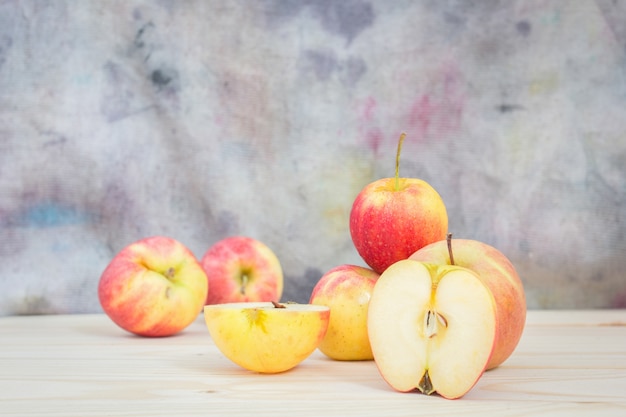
pixel 153 287
pixel 346 289
pixel 242 269
pixel 432 327
pixel 391 218
pixel 266 337
pixel 498 274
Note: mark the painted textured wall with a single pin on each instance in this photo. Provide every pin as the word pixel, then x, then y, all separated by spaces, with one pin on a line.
pixel 204 119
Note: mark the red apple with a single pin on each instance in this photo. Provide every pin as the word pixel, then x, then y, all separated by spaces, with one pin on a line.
pixel 153 287
pixel 391 218
pixel 497 272
pixel 431 327
pixel 346 289
pixel 242 269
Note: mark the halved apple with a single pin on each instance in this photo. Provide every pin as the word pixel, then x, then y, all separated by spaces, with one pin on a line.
pixel 266 337
pixel 431 327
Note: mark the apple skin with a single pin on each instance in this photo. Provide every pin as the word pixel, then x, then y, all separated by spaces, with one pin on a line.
pixel 388 224
pixel 499 275
pixel 242 269
pixel 266 337
pixel 153 287
pixel 346 289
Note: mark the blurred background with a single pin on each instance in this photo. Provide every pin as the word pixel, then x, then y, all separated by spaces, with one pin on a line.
pixel 201 119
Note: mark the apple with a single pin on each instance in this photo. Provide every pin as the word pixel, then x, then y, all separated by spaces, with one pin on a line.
pixel 242 269
pixel 391 218
pixel 266 337
pixel 431 327
pixel 346 289
pixel 153 287
pixel 498 273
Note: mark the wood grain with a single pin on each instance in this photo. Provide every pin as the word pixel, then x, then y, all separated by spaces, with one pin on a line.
pixel 569 363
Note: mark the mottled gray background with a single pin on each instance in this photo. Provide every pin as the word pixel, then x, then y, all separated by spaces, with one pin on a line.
pixel 203 119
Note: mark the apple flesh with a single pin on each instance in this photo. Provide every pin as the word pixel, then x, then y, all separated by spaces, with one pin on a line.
pixel 346 289
pixel 242 269
pixel 498 274
pixel 391 218
pixel 431 327
pixel 266 337
pixel 153 287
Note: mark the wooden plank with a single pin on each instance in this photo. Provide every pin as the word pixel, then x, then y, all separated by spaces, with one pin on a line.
pixel 567 364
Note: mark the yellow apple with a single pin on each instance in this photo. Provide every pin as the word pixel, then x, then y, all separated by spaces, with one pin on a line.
pixel 496 271
pixel 393 217
pixel 346 289
pixel 431 327
pixel 266 337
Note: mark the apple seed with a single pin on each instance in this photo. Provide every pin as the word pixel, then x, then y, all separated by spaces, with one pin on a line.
pixel 430 326
pixel 442 320
pixel 278 305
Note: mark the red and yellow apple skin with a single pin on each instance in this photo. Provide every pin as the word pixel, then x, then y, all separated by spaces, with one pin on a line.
pixel 153 287
pixel 499 275
pixel 391 218
pixel 346 289
pixel 242 269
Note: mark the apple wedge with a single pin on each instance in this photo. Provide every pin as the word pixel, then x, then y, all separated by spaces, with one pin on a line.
pixel 431 327
pixel 266 337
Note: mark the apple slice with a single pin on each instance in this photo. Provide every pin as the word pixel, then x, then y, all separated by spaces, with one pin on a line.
pixel 266 337
pixel 431 327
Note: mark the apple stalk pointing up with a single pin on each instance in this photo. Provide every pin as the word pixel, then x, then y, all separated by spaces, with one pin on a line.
pixel 391 218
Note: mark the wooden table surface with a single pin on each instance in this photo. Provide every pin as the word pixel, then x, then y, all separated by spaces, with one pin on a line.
pixel 569 363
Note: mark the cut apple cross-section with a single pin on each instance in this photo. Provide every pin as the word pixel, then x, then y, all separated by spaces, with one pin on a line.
pixel 431 327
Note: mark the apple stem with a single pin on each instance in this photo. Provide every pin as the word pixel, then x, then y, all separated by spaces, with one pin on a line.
pixel 400 141
pixel 169 274
pixel 244 282
pixel 449 240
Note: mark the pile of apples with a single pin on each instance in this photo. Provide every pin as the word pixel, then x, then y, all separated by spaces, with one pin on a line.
pixel 433 312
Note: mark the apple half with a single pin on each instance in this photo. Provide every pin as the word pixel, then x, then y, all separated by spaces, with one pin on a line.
pixel 431 327
pixel 266 337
